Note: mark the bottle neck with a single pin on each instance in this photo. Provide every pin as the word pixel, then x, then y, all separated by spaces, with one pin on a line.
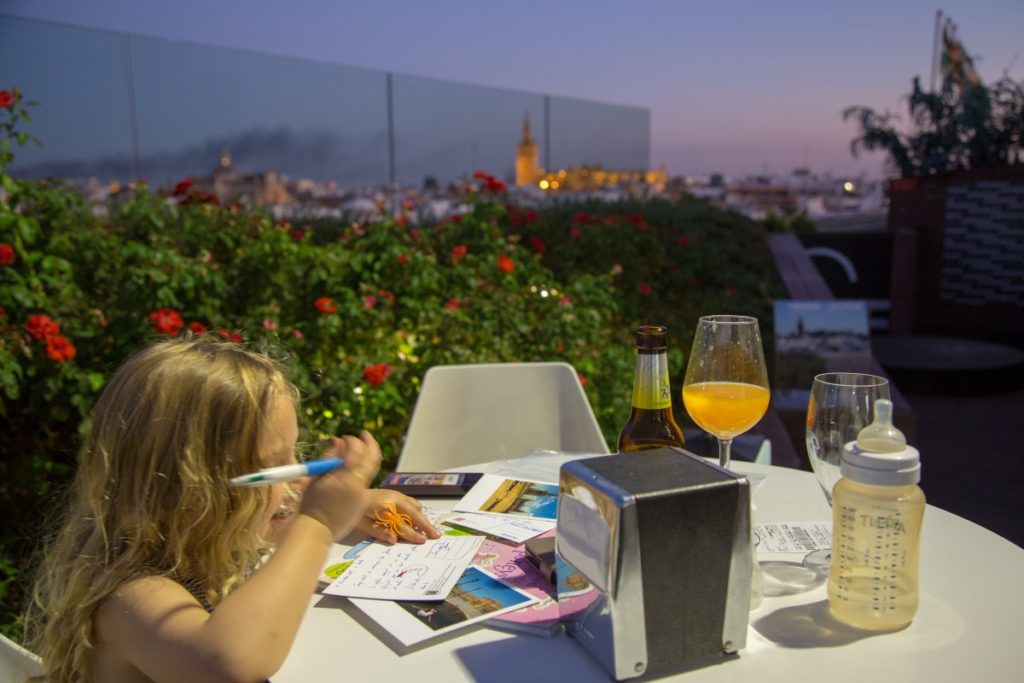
pixel 651 388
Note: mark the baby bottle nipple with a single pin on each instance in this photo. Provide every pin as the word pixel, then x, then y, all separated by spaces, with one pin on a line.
pixel 881 436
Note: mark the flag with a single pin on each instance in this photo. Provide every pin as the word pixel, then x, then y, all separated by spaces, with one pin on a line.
pixel 956 63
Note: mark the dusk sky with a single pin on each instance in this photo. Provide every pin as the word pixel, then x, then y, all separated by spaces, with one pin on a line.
pixel 739 86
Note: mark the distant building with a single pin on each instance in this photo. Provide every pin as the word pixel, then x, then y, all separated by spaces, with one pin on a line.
pixel 528 170
pixel 254 189
pixel 585 178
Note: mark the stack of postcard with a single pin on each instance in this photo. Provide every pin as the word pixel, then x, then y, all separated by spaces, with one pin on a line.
pixel 418 592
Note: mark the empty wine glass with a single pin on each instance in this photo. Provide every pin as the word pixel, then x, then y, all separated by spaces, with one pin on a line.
pixel 841 404
pixel 726 386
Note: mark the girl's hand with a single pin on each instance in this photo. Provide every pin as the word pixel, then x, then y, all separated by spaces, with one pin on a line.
pixel 406 514
pixel 338 499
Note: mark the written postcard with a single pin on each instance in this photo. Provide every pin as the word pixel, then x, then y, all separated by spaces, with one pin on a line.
pixel 476 596
pixel 516 529
pixel 406 571
pixel 498 495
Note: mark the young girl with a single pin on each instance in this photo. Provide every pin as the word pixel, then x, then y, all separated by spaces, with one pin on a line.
pixel 161 571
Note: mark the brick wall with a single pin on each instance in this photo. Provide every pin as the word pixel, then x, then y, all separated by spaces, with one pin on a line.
pixel 958 254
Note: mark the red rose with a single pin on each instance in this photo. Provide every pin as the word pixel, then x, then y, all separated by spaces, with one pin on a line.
pixel 167 321
pixel 683 240
pixel 42 326
pixel 506 264
pixel 403 259
pixel 390 296
pixel 269 324
pixel 458 252
pixel 645 289
pixel 575 232
pixel 537 244
pixel 196 327
pixel 6 254
pixel 531 216
pixel 452 304
pixel 3 313
pixel 230 335
pixel 369 301
pixel 580 218
pixel 7 100
pixel 583 380
pixel 183 187
pixel 59 348
pixel 325 304
pixel 456 219
pixel 377 373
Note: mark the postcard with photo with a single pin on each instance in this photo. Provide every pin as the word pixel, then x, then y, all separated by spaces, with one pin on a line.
pixel 812 337
pixel 477 596
pixel 406 571
pixel 498 495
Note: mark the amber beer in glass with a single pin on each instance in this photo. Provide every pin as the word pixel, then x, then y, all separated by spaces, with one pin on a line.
pixel 651 424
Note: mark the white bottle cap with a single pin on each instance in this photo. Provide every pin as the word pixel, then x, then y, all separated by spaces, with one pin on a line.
pixel 900 468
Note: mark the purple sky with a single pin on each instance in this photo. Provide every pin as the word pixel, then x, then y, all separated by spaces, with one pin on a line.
pixel 737 86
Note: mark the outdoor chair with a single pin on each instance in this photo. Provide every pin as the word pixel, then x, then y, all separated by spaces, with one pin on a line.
pixel 469 414
pixel 16 663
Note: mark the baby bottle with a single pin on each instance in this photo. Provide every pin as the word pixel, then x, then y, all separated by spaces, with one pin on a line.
pixel 877 513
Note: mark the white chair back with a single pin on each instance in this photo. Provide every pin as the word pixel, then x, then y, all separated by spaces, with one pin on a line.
pixel 16 663
pixel 468 414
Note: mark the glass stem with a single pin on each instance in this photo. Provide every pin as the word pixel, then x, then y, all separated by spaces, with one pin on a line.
pixel 724 452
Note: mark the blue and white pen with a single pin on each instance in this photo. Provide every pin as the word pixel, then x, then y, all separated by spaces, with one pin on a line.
pixel 279 475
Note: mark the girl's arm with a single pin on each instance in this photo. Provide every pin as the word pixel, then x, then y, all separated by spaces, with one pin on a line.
pixel 160 629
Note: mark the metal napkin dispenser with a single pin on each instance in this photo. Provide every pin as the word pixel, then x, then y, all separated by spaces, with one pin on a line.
pixel 654 560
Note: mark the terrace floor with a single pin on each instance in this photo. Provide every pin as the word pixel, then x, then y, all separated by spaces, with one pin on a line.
pixel 972 456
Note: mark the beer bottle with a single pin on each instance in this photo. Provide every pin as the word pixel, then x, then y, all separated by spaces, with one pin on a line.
pixel 651 424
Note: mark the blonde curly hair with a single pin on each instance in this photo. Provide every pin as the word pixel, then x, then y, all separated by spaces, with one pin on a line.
pixel 151 494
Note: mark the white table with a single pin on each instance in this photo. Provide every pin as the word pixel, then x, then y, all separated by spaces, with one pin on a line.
pixel 966 629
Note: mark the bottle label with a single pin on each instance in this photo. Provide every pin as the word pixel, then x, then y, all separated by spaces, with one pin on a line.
pixel 651 388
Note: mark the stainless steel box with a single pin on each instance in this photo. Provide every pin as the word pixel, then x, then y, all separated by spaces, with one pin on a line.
pixel 664 538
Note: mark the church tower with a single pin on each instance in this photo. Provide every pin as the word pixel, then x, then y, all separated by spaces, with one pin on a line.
pixel 527 157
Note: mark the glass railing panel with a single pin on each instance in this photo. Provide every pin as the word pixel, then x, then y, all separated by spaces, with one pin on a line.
pixel 613 136
pixel 200 107
pixel 77 76
pixel 448 131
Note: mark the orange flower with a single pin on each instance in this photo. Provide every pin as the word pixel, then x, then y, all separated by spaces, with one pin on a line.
pixel 42 326
pixel 167 321
pixel 376 374
pixel 59 348
pixel 506 264
pixel 325 304
pixel 230 335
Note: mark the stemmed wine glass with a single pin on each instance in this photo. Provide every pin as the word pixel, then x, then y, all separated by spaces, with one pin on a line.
pixel 726 386
pixel 841 404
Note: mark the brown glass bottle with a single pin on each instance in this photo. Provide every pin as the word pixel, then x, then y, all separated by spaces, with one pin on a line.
pixel 651 424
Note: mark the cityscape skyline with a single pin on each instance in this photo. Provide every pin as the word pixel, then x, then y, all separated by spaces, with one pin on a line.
pixel 737 89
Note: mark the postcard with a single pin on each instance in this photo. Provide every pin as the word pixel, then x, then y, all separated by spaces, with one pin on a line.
pixel 406 571
pixel 503 496
pixel 517 529
pixel 476 596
